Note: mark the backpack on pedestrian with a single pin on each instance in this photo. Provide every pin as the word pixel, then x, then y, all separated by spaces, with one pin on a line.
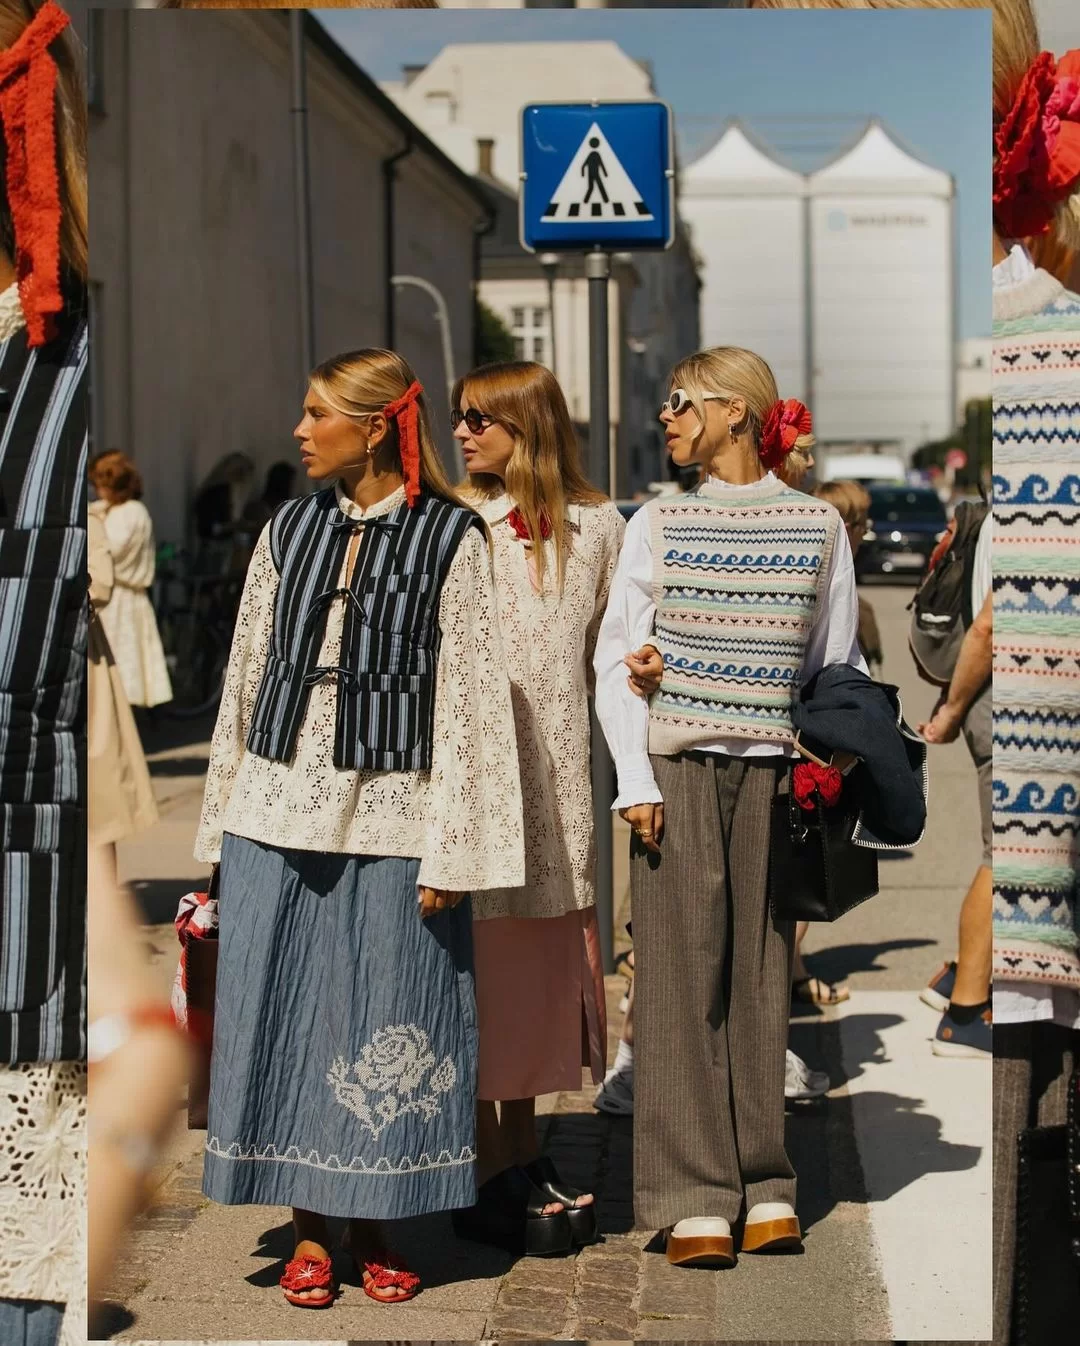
pixel 941 609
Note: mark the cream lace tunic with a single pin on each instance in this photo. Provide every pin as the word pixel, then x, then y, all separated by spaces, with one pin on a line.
pixel 462 818
pixel 549 642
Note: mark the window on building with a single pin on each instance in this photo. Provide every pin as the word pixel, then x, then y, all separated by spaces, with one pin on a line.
pixel 95 61
pixel 532 334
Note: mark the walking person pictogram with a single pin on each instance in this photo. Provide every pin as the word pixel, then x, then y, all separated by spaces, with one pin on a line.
pixel 593 168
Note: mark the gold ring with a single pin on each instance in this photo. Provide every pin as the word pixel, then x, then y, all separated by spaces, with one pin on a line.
pixel 644 832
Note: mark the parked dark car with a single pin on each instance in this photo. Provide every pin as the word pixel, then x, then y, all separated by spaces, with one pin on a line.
pixel 906 523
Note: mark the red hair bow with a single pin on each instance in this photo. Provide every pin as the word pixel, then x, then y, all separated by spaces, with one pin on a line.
pixel 28 111
pixel 406 413
pixel 1037 147
pixel 809 779
pixel 784 424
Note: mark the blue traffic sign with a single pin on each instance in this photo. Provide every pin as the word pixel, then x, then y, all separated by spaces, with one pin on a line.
pixel 597 176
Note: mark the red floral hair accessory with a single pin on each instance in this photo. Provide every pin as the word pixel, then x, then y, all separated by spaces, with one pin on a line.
pixel 1037 147
pixel 405 411
pixel 516 520
pixel 784 424
pixel 808 779
pixel 28 111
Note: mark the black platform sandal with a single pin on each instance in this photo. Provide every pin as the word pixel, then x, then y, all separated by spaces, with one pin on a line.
pixel 582 1219
pixel 509 1214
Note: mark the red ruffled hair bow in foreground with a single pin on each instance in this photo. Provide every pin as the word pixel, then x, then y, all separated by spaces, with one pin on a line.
pixel 28 111
pixel 783 425
pixel 405 411
pixel 1037 147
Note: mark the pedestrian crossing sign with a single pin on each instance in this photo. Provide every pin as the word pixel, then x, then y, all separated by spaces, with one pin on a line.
pixel 597 176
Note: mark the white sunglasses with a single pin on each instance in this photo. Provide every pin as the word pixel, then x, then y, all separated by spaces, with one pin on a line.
pixel 680 400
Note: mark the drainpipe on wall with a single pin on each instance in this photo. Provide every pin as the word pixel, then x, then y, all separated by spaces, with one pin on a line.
pixel 301 169
pixel 389 171
pixel 480 232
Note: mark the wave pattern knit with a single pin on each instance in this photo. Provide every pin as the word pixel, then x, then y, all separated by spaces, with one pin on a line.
pixel 1036 369
pixel 736 586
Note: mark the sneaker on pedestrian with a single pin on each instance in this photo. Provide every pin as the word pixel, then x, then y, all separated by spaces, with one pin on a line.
pixel 964 1036
pixel 801 1082
pixel 938 992
pixel 616 1095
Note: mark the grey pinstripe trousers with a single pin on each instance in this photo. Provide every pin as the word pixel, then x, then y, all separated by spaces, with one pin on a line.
pixel 712 997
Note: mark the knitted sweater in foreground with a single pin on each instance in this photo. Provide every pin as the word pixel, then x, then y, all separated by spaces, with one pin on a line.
pixel 736 585
pixel 1036 369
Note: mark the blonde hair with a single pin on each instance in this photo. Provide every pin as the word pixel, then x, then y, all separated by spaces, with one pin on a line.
pixel 1016 45
pixel 850 500
pixel 70 110
pixel 544 474
pixel 359 383
pixel 728 372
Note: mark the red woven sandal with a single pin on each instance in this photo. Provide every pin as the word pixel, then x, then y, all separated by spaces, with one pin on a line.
pixel 306 1274
pixel 389 1272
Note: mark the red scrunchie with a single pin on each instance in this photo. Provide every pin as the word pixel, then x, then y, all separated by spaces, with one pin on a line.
pixel 1037 147
pixel 809 779
pixel 406 413
pixel 784 424
pixel 28 111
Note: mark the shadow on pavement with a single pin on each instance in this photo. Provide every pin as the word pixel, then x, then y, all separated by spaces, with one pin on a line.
pixel 839 961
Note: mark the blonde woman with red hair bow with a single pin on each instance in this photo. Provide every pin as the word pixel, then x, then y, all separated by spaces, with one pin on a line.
pixel 697 771
pixel 363 781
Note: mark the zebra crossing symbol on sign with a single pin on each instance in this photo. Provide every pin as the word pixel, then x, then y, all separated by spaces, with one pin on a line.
pixel 595 187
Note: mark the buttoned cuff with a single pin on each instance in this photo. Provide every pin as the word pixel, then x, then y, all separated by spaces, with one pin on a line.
pixel 637 784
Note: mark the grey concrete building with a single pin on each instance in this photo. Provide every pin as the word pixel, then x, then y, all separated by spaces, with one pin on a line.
pixel 196 305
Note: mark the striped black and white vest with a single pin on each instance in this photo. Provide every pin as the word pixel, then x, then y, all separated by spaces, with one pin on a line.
pixel 390 641
pixel 43 623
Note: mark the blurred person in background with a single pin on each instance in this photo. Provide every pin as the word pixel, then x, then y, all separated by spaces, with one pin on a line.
pixel 961 990
pixel 128 617
pixel 43 411
pixel 280 486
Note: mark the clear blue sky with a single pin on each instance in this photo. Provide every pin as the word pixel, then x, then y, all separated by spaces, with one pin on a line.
pixel 805 81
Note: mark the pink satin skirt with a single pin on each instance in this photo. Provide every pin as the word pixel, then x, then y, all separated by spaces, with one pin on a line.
pixel 540 1004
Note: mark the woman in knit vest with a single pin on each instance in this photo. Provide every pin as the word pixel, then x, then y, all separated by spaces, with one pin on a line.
pixel 363 780
pixel 539 979
pixel 1036 820
pixel 746 586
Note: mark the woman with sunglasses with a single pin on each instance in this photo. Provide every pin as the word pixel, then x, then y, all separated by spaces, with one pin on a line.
pixel 539 982
pixel 746 587
pixel 362 782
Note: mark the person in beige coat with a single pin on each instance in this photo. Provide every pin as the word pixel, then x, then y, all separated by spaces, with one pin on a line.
pixel 120 799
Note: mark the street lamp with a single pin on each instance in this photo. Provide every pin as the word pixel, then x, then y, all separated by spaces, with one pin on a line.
pixel 442 317
pixel 550 263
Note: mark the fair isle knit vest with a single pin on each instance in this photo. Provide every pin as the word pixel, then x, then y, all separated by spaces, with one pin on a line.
pixel 736 580
pixel 1036 817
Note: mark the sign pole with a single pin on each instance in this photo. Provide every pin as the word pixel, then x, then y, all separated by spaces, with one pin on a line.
pixel 598 272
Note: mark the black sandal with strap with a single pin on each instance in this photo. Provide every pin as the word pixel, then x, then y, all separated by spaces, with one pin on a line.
pixel 582 1218
pixel 509 1213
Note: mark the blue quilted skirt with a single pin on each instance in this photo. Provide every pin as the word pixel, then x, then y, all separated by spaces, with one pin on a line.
pixel 343 1078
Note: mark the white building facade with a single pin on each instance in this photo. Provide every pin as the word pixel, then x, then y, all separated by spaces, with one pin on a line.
pixel 843 280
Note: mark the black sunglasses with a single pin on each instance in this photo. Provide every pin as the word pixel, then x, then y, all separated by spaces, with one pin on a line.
pixel 475 420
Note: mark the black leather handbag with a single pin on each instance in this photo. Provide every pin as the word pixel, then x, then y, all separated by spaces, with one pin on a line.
pixel 1046 1298
pixel 816 872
